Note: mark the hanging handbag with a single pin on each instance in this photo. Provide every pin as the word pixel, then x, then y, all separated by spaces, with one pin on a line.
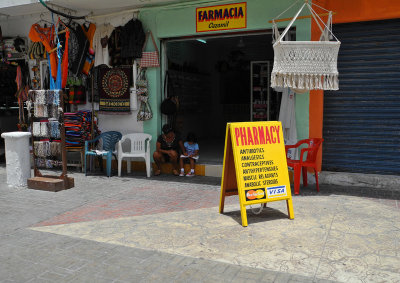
pixel 141 81
pixel 145 112
pixel 141 91
pixel 149 58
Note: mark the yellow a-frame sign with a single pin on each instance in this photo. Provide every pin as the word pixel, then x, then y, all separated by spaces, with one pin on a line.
pixel 255 166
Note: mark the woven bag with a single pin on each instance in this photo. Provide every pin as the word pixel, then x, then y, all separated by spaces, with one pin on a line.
pixel 141 80
pixel 149 58
pixel 145 112
pixel 305 65
pixel 141 91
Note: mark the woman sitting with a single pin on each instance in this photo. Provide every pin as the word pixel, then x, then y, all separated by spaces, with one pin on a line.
pixel 168 146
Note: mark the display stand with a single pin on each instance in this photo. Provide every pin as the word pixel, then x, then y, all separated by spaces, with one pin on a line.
pixel 48 182
pixel 80 163
pixel 260 91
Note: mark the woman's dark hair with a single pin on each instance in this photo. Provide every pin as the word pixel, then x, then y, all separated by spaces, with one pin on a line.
pixel 166 129
pixel 191 137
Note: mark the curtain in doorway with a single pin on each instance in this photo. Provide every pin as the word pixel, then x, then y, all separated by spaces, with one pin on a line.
pixel 287 115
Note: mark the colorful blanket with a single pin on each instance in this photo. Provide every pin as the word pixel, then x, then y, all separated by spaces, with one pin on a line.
pixel 78 128
pixel 113 87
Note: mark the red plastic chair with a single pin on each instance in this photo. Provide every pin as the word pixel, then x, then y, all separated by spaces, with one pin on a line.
pixel 300 165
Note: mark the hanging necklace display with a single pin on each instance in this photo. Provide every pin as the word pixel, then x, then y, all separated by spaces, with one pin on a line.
pixel 40 103
pixel 306 65
pixel 53 103
pixel 54 129
pixel 53 97
pixel 44 129
pixel 36 129
pixel 55 149
pixel 36 148
pixel 42 148
pixel 40 97
pixel 53 112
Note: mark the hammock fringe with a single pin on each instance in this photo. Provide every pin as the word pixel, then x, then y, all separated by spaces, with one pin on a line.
pixel 306 65
pixel 306 81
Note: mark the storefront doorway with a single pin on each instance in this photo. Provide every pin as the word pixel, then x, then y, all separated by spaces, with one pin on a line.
pixel 220 79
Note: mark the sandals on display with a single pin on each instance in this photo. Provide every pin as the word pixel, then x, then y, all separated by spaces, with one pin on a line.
pixel 157 173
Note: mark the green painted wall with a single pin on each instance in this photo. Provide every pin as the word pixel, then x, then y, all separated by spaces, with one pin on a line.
pixel 179 20
pixel 303 32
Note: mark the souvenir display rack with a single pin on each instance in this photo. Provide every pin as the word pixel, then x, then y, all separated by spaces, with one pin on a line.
pixel 48 140
pixel 260 92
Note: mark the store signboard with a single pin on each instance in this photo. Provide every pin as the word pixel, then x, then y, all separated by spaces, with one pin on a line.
pixel 221 17
pixel 255 165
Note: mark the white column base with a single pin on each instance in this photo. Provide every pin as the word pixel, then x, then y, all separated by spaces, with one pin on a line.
pixel 18 165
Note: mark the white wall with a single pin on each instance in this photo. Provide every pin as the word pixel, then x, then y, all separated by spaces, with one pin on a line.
pixel 19 26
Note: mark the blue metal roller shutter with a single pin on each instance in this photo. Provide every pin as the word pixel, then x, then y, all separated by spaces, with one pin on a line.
pixel 361 125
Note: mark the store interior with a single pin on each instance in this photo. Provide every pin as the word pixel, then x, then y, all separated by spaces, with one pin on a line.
pixel 217 79
pixel 8 88
pixel 216 84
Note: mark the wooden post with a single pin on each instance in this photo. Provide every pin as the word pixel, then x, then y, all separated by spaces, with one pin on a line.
pixel 36 171
pixel 62 133
pixel 92 121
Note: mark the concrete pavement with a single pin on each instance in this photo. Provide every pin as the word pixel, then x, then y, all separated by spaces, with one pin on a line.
pixel 168 229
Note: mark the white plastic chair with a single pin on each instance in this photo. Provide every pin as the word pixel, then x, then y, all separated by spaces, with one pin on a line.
pixel 140 147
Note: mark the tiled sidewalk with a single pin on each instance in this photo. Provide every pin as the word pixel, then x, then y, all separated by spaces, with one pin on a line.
pixel 168 229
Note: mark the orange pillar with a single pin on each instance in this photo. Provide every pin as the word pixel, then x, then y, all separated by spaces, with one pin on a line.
pixel 316 106
pixel 361 10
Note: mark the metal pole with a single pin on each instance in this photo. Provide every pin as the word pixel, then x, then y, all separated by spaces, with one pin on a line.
pixel 92 120
pixel 62 132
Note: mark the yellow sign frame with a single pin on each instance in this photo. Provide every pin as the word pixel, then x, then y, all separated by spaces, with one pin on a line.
pixel 253 148
pixel 221 17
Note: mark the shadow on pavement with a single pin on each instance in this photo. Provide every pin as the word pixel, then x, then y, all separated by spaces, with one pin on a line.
pixel 310 190
pixel 267 214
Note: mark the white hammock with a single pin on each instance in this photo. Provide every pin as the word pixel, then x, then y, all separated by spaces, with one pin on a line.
pixel 306 65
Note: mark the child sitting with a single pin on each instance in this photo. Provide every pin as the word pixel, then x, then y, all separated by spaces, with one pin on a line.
pixel 191 153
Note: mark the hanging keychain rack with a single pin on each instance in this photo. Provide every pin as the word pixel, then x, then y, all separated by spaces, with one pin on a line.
pixel 305 65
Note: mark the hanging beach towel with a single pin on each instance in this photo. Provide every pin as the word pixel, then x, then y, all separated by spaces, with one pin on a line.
pixel 149 58
pixel 306 65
